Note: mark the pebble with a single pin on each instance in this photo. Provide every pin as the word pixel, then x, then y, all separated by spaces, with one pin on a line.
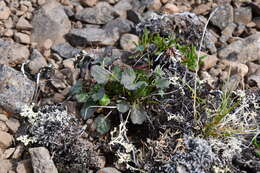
pixel 128 42
pixel 13 124
pixel 18 152
pixel 3 126
pixel 23 24
pixel 22 38
pixel 222 16
pixel 89 3
pixel 5 140
pixel 37 61
pixel 170 8
pixel 155 5
pixel 243 15
pixel 209 61
pixel 257 22
pixel 3 117
pixel 6 166
pixel 65 50
pixel 122 7
pixel 24 166
pixel 8 152
pixel 108 170
pixel 4 11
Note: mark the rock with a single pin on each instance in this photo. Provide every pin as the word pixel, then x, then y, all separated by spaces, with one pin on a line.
pixel 257 22
pixel 108 170
pixel 232 83
pixel 3 126
pixel 252 67
pixel 223 16
pixel 134 16
pixel 208 78
pixel 8 153
pixel 155 5
pixel 102 13
pixel 16 89
pixel 202 8
pixel 89 3
pixel 123 25
pixel 55 21
pixel 254 79
pixel 47 44
pixel 9 33
pixel 4 11
pixel 41 161
pixel 13 124
pixel 243 15
pixel 209 61
pixel 23 24
pixel 41 2
pixel 65 50
pixel 170 8
pixel 13 53
pixel 255 8
pixel 24 166
pixel 5 140
pixel 239 29
pixel 121 8
pixel 37 61
pixel 239 68
pixel 227 32
pixel 3 117
pixel 18 152
pixel 91 36
pixel 242 50
pixel 6 165
pixel 22 38
pixel 128 41
pixel 68 63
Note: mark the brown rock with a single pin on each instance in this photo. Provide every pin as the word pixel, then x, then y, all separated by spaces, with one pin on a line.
pixel 24 166
pixel 128 41
pixel 9 33
pixel 22 38
pixel 41 2
pixel 5 166
pixel 155 5
pixel 3 127
pixel 8 153
pixel 18 152
pixel 170 8
pixel 89 3
pixel 13 124
pixel 252 67
pixel 243 15
pixel 3 117
pixel 202 8
pixel 23 24
pixel 108 170
pixel 4 11
pixel 37 61
pixel 227 32
pixel 47 44
pixel 5 140
pixel 209 61
pixel 257 22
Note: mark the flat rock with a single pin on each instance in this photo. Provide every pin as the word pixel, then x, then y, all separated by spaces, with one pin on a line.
pixel 37 61
pixel 6 165
pixel 16 90
pixel 243 15
pixel 50 22
pixel 102 13
pixel 91 36
pixel 8 152
pixel 222 16
pixel 5 140
pixel 13 53
pixel 41 161
pixel 65 50
pixel 13 124
pixel 242 50
pixel 123 25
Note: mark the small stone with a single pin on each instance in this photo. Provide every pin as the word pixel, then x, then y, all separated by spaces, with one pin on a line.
pixel 239 29
pixel 3 126
pixel 170 8
pixel 254 80
pixel 227 32
pixel 255 8
pixel 18 152
pixel 9 33
pixel 5 140
pixel 47 44
pixel 3 117
pixel 89 3
pixel 129 41
pixel 243 15
pixel 121 8
pixel 41 161
pixel 22 38
pixel 155 5
pixel 23 24
pixel 13 124
pixel 222 16
pixel 209 61
pixel 41 2
pixel 202 8
pixel 134 16
pixel 37 61
pixel 24 166
pixel 252 67
pixel 8 153
pixel 6 165
pixel 123 25
pixel 208 78
pixel 4 11
pixel 257 22
pixel 65 50
pixel 108 170
pixel 215 71
pixel 68 63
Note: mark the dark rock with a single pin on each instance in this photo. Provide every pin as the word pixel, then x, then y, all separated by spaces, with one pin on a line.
pixel 37 61
pixel 222 16
pixel 134 16
pixel 50 22
pixel 41 161
pixel 257 22
pixel 13 53
pixel 102 13
pixel 65 50
pixel 16 89
pixel 243 15
pixel 242 50
pixel 123 25
pixel 255 8
pixel 91 36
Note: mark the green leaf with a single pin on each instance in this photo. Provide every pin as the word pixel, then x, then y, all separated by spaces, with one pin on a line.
pixel 82 97
pixel 138 115
pixel 128 78
pixel 257 151
pixel 77 88
pixel 122 107
pixel 100 74
pixel 104 101
pixel 99 94
pixel 162 83
pixel 102 124
pixel 86 111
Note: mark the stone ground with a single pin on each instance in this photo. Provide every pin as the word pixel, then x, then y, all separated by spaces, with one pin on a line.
pixel 46 35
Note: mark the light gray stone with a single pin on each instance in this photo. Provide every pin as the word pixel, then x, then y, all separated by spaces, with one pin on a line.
pixel 222 16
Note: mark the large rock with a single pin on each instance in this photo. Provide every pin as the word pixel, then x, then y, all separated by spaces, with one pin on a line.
pixel 13 53
pixel 5 166
pixel 50 22
pixel 5 140
pixel 92 36
pixel 101 14
pixel 41 161
pixel 16 90
pixel 223 16
pixel 242 50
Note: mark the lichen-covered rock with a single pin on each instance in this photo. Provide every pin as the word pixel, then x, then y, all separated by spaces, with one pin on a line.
pixel 16 90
